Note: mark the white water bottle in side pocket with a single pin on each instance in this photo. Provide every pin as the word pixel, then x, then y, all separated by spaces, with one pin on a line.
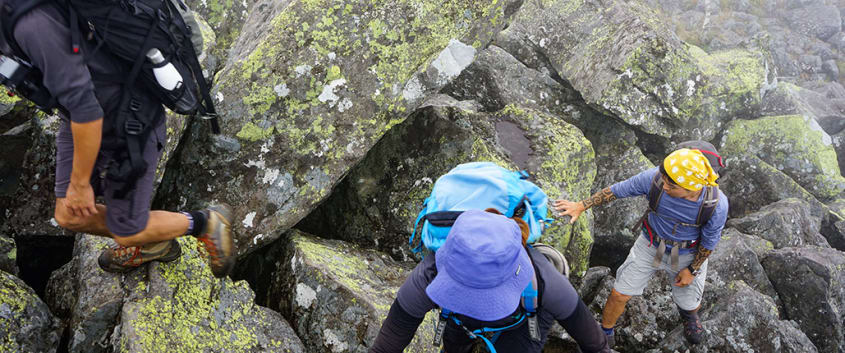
pixel 166 75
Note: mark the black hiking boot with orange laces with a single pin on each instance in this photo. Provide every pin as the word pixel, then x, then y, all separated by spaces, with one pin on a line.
pixel 121 259
pixel 217 239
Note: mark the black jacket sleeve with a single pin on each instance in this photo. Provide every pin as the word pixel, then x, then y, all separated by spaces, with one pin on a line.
pixel 397 331
pixel 585 330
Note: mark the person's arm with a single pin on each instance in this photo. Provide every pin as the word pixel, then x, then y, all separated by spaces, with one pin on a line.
pixel 636 185
pixel 45 40
pixel 397 330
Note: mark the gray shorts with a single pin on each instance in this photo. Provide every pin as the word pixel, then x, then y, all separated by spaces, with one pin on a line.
pixel 634 274
pixel 119 220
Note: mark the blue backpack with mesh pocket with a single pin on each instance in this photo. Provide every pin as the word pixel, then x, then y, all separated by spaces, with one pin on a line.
pixel 479 185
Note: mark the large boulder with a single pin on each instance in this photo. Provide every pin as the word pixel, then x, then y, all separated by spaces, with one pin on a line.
pixel 625 62
pixel 224 20
pixel 378 201
pixel 819 21
pixel 751 183
pixel 737 258
pixel 26 324
pixel 786 223
pixel 743 320
pixel 789 99
pixel 793 144
pixel 175 306
pixel 336 295
pixel 309 88
pixel 809 282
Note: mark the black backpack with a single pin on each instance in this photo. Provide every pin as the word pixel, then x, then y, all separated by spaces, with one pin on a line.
pixel 711 193
pixel 128 29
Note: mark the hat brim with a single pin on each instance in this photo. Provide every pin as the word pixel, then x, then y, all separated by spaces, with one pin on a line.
pixel 485 304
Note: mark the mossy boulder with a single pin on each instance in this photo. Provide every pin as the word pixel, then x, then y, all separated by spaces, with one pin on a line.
pixel 785 223
pixel 737 258
pixel 625 62
pixel 174 306
pixel 310 86
pixel 789 99
pixel 225 19
pixel 379 200
pixel 743 320
pixel 794 144
pixel 336 294
pixel 180 306
pixel 810 283
pixel 26 324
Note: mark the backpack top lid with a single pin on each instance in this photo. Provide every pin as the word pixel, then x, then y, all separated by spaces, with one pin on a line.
pixel 708 150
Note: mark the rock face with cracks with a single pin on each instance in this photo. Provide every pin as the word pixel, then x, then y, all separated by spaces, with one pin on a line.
pixel 378 202
pixel 786 223
pixel 305 94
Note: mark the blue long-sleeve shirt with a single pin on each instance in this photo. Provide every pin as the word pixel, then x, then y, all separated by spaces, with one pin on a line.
pixel 671 210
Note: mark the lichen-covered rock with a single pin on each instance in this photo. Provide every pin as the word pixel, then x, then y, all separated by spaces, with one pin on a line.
pixel 309 88
pixel 743 320
pixel 833 226
pixel 336 295
pixel 378 202
pixel 785 223
pixel 624 61
pixel 180 306
pixel 793 144
pixel 737 258
pixel 225 18
pixel 8 255
pixel 647 319
pixel 751 183
pixel 26 324
pixel 810 282
pixel 591 281
pixel 789 99
pixel 85 298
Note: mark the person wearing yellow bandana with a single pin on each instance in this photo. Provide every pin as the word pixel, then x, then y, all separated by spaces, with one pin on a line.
pixel 678 232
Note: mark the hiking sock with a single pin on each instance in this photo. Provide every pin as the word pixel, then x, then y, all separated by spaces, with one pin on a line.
pixel 196 222
pixel 688 315
pixel 607 331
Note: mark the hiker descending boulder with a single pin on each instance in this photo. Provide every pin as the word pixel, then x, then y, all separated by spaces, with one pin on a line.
pixel 786 223
pixel 626 63
pixel 26 324
pixel 741 320
pixel 309 88
pixel 809 283
pixel 336 294
pixel 378 202
pixel 793 144
pixel 175 306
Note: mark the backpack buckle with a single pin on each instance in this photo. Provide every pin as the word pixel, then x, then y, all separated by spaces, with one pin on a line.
pixel 134 105
pixel 133 127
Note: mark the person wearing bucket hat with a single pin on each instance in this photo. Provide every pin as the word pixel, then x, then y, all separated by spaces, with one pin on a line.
pixel 686 215
pixel 480 276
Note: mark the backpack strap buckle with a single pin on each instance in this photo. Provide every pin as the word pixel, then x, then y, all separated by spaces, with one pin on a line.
pixel 133 127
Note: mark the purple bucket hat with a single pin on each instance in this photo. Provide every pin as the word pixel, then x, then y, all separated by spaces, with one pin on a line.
pixel 482 267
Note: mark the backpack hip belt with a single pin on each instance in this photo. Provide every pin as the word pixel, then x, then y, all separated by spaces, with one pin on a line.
pixel 662 242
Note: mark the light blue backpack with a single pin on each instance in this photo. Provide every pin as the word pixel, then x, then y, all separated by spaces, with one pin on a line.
pixel 479 185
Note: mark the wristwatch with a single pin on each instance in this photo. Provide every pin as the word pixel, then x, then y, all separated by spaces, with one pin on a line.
pixel 693 271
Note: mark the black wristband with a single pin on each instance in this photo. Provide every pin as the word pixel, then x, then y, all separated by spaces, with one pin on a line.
pixel 691 270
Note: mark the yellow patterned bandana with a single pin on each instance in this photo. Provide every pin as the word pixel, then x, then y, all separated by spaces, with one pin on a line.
pixel 690 169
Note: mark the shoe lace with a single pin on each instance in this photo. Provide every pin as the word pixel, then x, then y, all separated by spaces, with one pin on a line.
pixel 122 252
pixel 209 245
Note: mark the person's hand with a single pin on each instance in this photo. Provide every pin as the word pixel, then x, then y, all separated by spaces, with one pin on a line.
pixel 569 208
pixel 684 278
pixel 79 199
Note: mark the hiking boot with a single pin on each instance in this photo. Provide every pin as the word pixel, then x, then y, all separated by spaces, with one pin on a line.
pixel 693 331
pixel 120 259
pixel 217 239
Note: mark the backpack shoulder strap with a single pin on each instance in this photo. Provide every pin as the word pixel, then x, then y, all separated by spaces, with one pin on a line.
pixel 708 206
pixel 655 192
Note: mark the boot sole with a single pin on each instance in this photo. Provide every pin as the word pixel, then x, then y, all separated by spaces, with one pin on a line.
pixel 225 213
